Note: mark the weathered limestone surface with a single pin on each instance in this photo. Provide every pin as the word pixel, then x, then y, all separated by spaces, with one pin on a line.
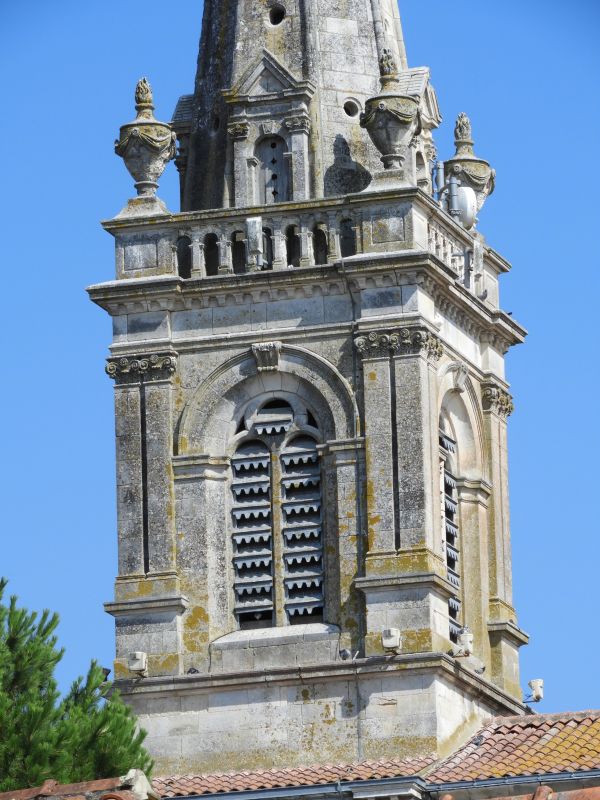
pixel 311 410
pixel 305 79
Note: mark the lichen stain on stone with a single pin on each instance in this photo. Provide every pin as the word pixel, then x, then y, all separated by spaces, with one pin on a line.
pixel 163 664
pixel 195 620
pixel 328 715
pixel 121 671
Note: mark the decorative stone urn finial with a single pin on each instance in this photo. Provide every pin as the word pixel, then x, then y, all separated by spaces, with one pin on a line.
pixel 474 173
pixel 146 146
pixel 143 95
pixel 391 118
pixel 388 69
pixel 462 131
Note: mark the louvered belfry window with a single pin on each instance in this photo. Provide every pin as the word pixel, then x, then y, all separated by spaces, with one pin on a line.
pixel 277 522
pixel 451 532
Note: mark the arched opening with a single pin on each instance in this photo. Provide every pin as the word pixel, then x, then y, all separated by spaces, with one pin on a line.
pixel 347 238
pixel 320 245
pixel 292 246
pixel 422 172
pixel 267 248
pixel 211 254
pixel 184 257
pixel 238 252
pixel 273 181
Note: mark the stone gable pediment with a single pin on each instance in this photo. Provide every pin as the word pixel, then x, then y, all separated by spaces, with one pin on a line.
pixel 266 78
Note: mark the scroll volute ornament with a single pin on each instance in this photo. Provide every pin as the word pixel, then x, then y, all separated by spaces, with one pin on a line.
pixel 391 119
pixel 146 145
pixel 474 173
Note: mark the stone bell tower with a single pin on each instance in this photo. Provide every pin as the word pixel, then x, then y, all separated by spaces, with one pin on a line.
pixel 311 406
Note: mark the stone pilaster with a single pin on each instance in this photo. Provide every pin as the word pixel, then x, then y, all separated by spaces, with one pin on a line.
pixel 238 133
pixel 299 128
pixel 504 635
pixel 129 480
pixel 416 352
pixel 374 350
pixel 473 497
pixel 203 518
pixel 497 406
pixel 148 585
pixel 144 449
pixel 343 463
pixel 404 583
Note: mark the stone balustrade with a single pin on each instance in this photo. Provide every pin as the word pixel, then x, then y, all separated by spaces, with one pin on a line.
pixel 221 242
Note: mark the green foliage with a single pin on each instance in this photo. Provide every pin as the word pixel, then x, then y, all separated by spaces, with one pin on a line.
pixel 88 734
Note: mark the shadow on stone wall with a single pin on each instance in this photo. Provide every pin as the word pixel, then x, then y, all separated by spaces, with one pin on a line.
pixel 345 175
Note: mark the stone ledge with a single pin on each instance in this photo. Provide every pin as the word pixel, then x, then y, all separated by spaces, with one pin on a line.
pixel 508 630
pixel 265 637
pixel 422 580
pixel 156 605
pixel 428 663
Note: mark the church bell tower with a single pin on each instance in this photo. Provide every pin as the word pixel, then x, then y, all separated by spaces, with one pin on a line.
pixel 311 406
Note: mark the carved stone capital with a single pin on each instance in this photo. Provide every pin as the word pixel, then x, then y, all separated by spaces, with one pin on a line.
pixel 401 341
pixel 496 399
pixel 374 345
pixel 266 355
pixel 298 124
pixel 238 130
pixel 147 367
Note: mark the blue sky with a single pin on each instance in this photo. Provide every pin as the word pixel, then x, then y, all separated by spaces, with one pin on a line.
pixel 526 72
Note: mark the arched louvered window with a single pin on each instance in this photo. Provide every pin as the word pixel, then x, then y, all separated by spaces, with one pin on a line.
pixel 277 520
pixel 450 524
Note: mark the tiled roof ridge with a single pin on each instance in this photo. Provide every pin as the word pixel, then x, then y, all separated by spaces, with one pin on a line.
pixel 555 716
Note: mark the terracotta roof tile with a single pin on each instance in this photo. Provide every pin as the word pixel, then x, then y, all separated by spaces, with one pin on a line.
pixel 531 745
pixel 289 776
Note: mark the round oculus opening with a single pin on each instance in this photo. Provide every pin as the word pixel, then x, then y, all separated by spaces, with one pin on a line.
pixel 351 108
pixel 276 14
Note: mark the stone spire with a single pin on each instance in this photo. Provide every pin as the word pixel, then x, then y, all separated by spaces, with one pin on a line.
pixel 293 77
